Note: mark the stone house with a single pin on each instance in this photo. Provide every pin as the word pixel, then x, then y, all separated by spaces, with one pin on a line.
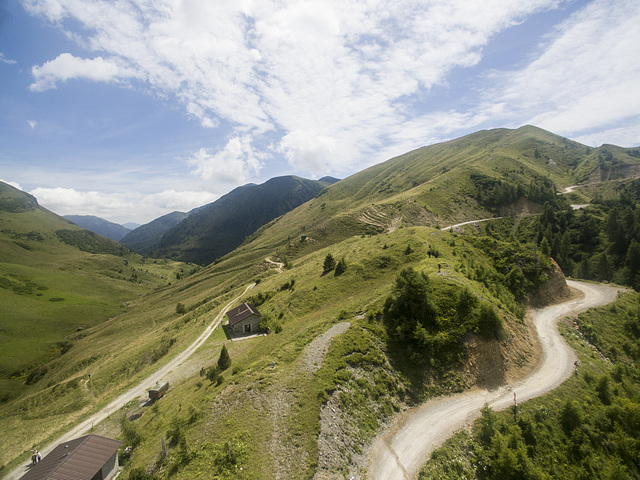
pixel 244 320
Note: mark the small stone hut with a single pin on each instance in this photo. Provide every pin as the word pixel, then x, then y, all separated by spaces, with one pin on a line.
pixel 244 320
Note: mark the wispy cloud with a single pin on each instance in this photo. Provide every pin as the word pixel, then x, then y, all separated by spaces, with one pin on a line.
pixel 328 82
pixel 32 123
pixel 3 59
pixel 583 82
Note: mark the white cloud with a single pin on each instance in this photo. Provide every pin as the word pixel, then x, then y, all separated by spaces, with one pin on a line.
pixel 624 136
pixel 32 123
pixel 583 80
pixel 330 78
pixel 6 60
pixel 308 151
pixel 231 165
pixel 120 207
pixel 65 66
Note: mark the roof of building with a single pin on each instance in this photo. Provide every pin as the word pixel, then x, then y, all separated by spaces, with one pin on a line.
pixel 241 312
pixel 77 459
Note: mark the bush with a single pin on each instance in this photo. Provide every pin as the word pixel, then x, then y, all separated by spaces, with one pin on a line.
pixel 130 433
pixel 604 391
pixel 570 416
pixel 181 309
pixel 212 373
pixel 139 473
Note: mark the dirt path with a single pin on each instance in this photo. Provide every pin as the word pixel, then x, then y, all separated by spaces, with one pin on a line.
pixel 279 265
pixel 398 453
pixel 469 222
pixel 168 372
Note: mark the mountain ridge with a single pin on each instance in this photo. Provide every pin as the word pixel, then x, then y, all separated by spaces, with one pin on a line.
pixel 217 228
pixel 103 227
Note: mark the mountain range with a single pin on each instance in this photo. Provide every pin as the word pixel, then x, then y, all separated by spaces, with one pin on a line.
pixel 211 231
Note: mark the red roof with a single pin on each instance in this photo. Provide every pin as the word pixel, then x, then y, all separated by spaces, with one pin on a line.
pixel 238 314
pixel 77 459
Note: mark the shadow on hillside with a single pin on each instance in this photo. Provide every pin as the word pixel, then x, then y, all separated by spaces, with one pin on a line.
pixel 486 363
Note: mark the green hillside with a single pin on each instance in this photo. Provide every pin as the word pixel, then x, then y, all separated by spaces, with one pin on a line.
pixel 587 428
pixel 56 281
pixel 485 174
pixel 422 311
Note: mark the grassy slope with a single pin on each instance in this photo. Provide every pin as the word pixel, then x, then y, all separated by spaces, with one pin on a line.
pixel 53 293
pixel 429 186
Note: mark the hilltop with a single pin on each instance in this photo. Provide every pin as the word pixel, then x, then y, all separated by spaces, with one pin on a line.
pixel 315 412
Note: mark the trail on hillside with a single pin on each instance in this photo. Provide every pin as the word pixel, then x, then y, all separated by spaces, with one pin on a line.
pixel 470 222
pixel 279 265
pixel 398 453
pixel 140 390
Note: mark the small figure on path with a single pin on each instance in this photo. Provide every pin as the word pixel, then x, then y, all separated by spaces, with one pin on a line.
pixel 439 267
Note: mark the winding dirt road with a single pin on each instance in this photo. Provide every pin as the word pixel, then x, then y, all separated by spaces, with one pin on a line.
pixel 165 372
pixel 398 453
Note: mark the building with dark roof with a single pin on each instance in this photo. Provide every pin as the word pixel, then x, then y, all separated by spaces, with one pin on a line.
pixel 91 457
pixel 244 319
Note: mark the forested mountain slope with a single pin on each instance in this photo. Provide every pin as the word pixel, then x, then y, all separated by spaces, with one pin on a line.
pixel 216 229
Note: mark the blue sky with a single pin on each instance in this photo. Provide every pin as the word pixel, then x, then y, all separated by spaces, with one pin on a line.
pixel 132 109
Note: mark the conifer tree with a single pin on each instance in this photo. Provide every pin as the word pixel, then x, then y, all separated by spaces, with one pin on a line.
pixel 329 263
pixel 224 361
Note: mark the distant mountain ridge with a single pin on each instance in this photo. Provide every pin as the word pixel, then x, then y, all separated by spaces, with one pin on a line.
pixel 103 227
pixel 216 229
pixel 144 238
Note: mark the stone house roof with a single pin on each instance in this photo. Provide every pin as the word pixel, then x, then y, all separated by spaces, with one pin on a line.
pixel 236 315
pixel 77 459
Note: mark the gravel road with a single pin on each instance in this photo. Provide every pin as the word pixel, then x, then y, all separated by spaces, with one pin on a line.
pixel 398 453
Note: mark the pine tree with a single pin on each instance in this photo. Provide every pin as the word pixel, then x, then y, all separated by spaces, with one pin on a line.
pixel 224 361
pixel 329 263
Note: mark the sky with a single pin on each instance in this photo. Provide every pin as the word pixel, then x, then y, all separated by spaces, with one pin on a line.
pixel 131 109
